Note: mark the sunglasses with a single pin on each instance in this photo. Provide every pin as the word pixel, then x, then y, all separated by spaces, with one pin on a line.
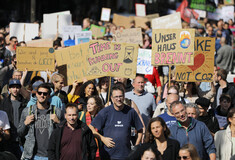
pixel 44 93
pixel 184 157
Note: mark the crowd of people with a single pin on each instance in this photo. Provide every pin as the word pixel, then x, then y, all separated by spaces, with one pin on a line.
pixel 149 117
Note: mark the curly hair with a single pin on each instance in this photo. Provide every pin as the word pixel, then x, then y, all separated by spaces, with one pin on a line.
pixel 81 92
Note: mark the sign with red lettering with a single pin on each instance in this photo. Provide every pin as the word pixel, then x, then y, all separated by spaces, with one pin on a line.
pixel 112 59
pixel 172 46
pixel 203 68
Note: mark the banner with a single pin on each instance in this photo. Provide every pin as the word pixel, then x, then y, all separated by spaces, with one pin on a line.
pixel 133 35
pixel 112 59
pixel 203 68
pixel 172 46
pixel 205 5
pixel 35 58
pixel 105 14
pixel 140 10
pixel 24 31
pixel 144 61
pixel 83 37
pixel 97 31
pixel 72 62
pixel 69 34
pixel 169 21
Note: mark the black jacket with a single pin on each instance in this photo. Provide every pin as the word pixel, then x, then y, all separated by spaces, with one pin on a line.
pixel 6 106
pixel 88 142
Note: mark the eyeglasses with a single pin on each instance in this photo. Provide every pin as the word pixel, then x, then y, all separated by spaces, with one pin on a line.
pixel 44 93
pixel 184 157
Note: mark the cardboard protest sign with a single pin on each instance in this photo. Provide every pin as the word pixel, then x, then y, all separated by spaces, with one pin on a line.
pixel 24 31
pixel 69 34
pixel 172 46
pixel 97 31
pixel 119 20
pixel 105 14
pixel 83 37
pixel 169 21
pixel 152 16
pixel 40 43
pixel 203 68
pixel 73 62
pixel 144 61
pixel 140 9
pixel 53 24
pixel 112 59
pixel 133 35
pixel 228 2
pixel 140 21
pixel 35 58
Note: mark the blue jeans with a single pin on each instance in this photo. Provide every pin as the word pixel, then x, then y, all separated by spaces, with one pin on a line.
pixel 40 158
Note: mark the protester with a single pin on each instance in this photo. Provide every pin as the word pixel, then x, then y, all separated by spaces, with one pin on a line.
pixel 189 152
pixel 189 130
pixel 73 139
pixel 158 133
pixel 115 121
pixel 192 110
pixel 37 123
pixel 224 139
pixel 4 130
pixel 102 88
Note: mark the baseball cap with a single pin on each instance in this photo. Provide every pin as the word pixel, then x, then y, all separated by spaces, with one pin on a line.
pixel 14 82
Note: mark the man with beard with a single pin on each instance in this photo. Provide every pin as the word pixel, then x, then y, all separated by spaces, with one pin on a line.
pixel 188 130
pixel 73 139
pixel 37 123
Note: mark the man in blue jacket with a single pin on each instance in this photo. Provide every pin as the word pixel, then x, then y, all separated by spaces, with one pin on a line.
pixel 188 130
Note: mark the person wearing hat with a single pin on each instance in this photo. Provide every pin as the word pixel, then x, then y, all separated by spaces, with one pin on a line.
pixel 13 105
pixel 207 116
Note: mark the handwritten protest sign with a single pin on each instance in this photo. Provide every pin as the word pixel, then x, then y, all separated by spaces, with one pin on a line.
pixel 24 31
pixel 144 61
pixel 73 61
pixel 225 13
pixel 97 31
pixel 170 21
pixel 140 21
pixel 69 34
pixel 105 14
pixel 83 37
pixel 140 9
pixel 40 43
pixel 112 59
pixel 35 58
pixel 172 46
pixel 119 20
pixel 133 35
pixel 228 2
pixel 203 68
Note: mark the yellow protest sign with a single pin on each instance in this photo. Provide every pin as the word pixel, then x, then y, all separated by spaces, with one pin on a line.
pixel 35 58
pixel 133 35
pixel 203 68
pixel 74 58
pixel 112 59
pixel 172 46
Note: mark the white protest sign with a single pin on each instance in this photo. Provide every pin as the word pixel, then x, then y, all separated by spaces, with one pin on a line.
pixel 24 31
pixel 105 14
pixel 69 34
pixel 169 21
pixel 83 37
pixel 144 61
pixel 140 9
pixel 225 13
pixel 54 23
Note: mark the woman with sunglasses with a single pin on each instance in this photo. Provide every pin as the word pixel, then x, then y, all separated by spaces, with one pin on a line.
pixel 188 152
pixel 225 139
pixel 157 133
